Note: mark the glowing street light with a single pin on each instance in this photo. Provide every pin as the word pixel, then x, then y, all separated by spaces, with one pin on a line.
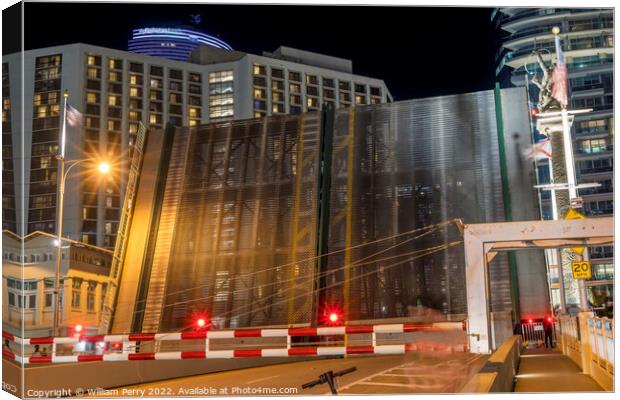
pixel 103 168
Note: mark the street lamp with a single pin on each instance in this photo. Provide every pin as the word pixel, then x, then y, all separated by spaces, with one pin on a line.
pixel 103 168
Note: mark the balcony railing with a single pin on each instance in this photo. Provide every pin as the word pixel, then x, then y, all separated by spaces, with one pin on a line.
pixel 596 170
pixel 596 150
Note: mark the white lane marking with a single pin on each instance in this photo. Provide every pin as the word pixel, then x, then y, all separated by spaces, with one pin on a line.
pixel 407 365
pixel 263 379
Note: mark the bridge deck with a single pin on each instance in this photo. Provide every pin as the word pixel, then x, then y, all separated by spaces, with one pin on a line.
pixel 548 370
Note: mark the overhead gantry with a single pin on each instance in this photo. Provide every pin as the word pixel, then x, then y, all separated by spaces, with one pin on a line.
pixel 484 241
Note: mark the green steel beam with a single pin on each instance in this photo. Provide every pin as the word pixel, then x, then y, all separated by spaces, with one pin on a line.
pixel 512 261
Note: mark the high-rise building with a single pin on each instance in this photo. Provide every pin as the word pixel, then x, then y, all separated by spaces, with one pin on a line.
pixel 116 91
pixel 171 43
pixel 587 37
pixel 240 211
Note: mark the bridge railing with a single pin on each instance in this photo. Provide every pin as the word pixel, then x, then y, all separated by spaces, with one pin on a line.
pixel 214 344
pixel 589 342
pixel 601 332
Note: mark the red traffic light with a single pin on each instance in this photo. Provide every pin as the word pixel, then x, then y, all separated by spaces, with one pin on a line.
pixel 78 328
pixel 549 319
pixel 530 321
pixel 331 315
pixel 201 322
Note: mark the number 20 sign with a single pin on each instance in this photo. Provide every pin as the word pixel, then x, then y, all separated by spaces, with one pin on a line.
pixel 582 270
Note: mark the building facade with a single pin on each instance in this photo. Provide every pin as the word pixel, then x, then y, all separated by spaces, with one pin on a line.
pixel 171 43
pixel 587 37
pixel 29 279
pixel 116 91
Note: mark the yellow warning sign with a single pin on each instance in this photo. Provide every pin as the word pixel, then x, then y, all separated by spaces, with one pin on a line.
pixel 572 214
pixel 582 270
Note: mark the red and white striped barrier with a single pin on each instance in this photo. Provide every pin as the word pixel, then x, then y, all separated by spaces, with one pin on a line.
pixel 238 353
pixel 239 333
pixel 242 353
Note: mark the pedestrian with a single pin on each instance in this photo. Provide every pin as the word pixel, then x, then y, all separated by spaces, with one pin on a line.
pixel 548 328
pixel 37 350
pixel 44 352
pixel 7 344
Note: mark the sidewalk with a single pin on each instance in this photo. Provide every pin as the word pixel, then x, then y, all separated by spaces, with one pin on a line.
pixel 548 370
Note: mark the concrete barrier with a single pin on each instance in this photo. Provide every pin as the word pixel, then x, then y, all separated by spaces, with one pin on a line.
pixel 49 381
pixel 498 373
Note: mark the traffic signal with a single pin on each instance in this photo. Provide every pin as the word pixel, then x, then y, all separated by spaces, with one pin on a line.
pixel 78 328
pixel 332 315
pixel 200 323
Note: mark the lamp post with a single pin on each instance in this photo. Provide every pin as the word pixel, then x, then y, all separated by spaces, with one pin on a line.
pixel 103 168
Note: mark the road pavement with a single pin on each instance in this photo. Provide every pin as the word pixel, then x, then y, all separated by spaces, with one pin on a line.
pixel 410 373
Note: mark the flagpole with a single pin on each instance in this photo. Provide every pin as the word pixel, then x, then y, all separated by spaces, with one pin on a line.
pixel 61 195
pixel 569 159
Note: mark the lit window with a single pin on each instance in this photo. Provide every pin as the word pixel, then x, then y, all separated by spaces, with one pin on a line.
pixel 259 69
pixel 193 122
pixel 133 92
pixel 220 76
pixel 91 60
pixel 133 79
pixel 153 118
pixel 91 98
pixel 113 76
pixel 42 112
pixel 259 93
pixel 193 112
pixel 312 102
pixel 93 73
pixel 133 128
pixel 112 101
pixel 37 100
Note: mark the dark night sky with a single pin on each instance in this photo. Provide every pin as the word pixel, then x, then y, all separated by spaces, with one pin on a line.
pixel 419 52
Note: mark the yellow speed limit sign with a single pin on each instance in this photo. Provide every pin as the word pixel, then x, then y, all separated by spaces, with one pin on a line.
pixel 582 270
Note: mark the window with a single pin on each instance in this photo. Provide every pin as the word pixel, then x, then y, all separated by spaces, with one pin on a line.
pixel 260 81
pixel 259 93
pixel 176 74
pixel 312 102
pixel 294 76
pixel 259 69
pixel 360 99
pixel 312 90
pixel 277 73
pixel 93 60
pixel 92 97
pixel 277 108
pixel 344 85
pixel 277 96
pixel 195 77
pixel 76 286
pixel 375 91
pixel 294 88
pixel 156 83
pixel 221 76
pixel 328 93
pixel 93 73
pixel 90 297
pixel 328 82
pixel 277 85
pixel 157 71
pixel 312 80
pixel 113 100
pixel 135 92
pixel 194 112
pixel 359 88
pixel 113 76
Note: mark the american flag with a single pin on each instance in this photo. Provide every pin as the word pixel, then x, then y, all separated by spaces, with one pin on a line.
pixel 74 117
pixel 539 151
pixel 559 91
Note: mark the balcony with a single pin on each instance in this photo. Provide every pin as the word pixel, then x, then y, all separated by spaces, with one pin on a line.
pixel 595 150
pixel 596 170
